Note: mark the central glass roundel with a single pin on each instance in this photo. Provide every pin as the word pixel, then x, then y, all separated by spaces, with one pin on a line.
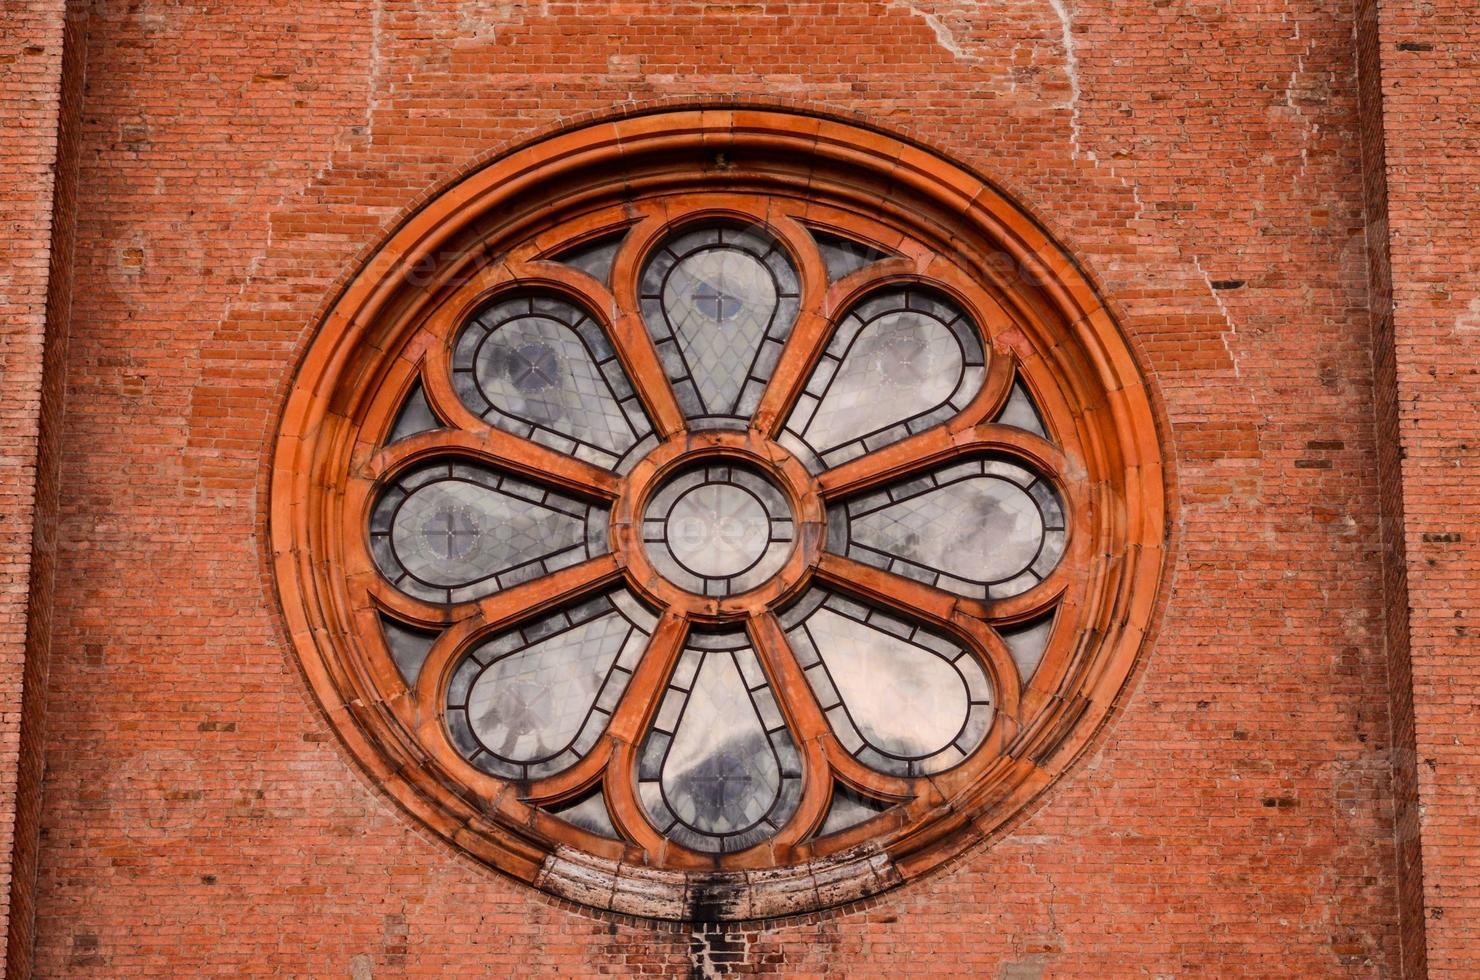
pixel 718 529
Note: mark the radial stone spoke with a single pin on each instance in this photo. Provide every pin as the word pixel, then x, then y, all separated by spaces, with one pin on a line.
pixel 509 452
pixel 935 446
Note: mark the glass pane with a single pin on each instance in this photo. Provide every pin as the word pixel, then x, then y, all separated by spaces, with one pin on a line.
pixel 983 529
pixel 900 699
pixel 718 530
pixel 408 647
pixel 451 532
pixel 719 770
pixel 594 258
pixel 530 702
pixel 719 302
pixel 897 363
pixel 415 417
pixel 1027 643
pixel 848 809
pixel 542 369
pixel 843 256
pixel 589 813
pixel 1020 412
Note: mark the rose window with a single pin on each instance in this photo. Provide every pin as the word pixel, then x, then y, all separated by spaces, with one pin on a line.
pixel 712 530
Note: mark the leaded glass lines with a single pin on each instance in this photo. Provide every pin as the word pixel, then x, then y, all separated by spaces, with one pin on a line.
pixel 719 303
pixel 453 532
pixel 539 367
pixel 899 362
pixel 532 701
pixel 983 528
pixel 719 770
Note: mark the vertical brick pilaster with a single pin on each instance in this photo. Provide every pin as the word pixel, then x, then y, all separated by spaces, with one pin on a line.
pixel 1426 271
pixel 40 99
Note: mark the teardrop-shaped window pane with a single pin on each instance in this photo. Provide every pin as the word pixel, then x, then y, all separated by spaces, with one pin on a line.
pixel 453 532
pixel 539 367
pixel 900 699
pixel 982 529
pixel 899 362
pixel 719 302
pixel 718 770
pixel 532 701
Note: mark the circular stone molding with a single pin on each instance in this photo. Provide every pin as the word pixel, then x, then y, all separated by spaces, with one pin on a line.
pixel 724 524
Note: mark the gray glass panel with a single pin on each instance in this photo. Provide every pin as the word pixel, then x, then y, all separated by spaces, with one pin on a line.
pixel 902 364
pixel 718 530
pixel 900 699
pixel 899 362
pixel 720 775
pixel 719 771
pixel 906 701
pixel 595 257
pixel 1027 643
pixel 538 369
pixel 1020 412
pixel 408 646
pixel 848 809
pixel 843 256
pixel 451 533
pixel 588 813
pixel 530 705
pixel 531 701
pixel 719 301
pixel 981 529
pixel 415 417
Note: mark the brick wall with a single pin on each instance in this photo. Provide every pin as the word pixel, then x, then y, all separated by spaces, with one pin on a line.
pixel 37 113
pixel 1203 159
pixel 1429 75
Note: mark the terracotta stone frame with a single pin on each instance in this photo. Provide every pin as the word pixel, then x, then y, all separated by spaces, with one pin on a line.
pixel 392 326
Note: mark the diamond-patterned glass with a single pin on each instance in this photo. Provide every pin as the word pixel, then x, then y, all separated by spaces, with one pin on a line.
pixel 719 302
pixel 718 770
pixel 531 702
pixel 898 362
pixel 451 532
pixel 540 367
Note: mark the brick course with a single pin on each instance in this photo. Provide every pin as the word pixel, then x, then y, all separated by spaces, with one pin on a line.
pixel 1205 161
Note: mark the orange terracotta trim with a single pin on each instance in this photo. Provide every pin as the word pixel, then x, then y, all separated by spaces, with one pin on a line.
pixel 393 321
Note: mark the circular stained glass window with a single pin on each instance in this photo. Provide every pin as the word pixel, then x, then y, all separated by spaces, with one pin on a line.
pixel 715 531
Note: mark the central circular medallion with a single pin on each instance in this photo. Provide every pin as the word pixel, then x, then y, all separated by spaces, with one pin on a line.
pixel 718 529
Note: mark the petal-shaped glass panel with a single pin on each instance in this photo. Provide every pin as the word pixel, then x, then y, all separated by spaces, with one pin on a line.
pixel 532 701
pixel 982 529
pixel 719 302
pixel 453 532
pixel 539 367
pixel 718 770
pixel 899 362
pixel 900 699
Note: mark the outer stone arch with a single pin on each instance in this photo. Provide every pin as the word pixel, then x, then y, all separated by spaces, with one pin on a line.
pixel 366 347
